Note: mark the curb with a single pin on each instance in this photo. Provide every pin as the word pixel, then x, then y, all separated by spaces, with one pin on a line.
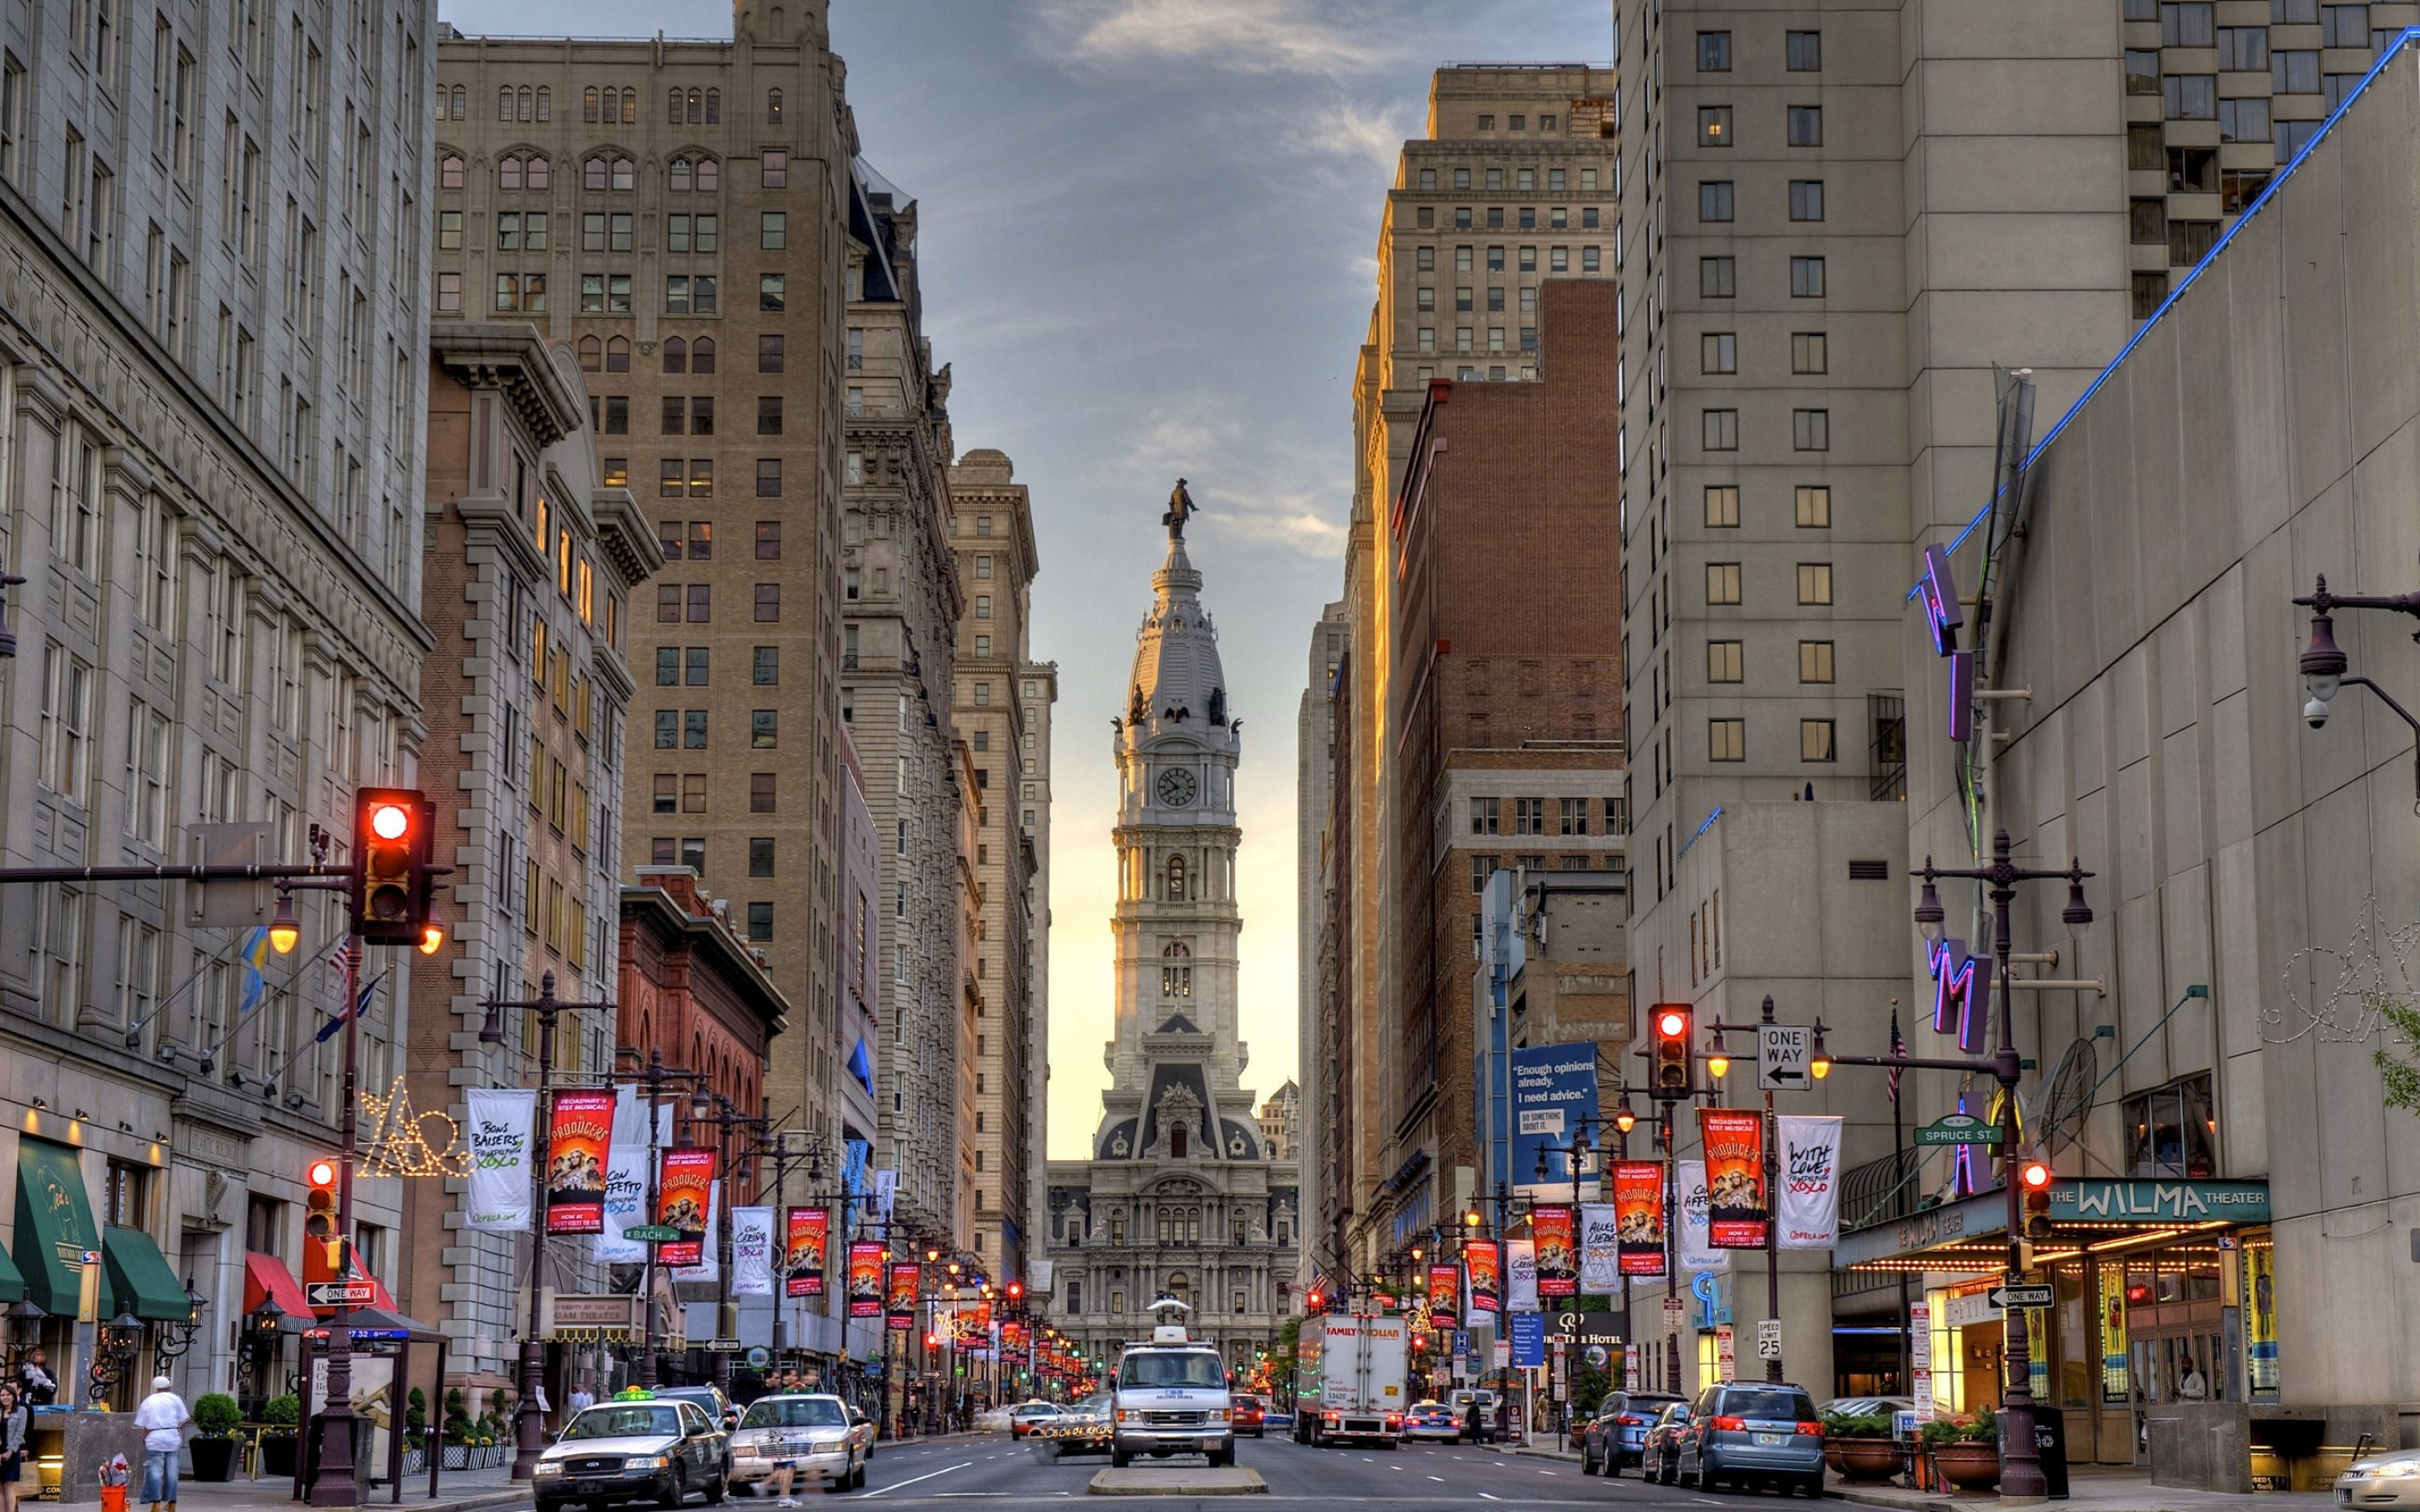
pixel 1113 1483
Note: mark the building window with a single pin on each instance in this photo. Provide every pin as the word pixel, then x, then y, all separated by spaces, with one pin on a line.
pixel 1807 126
pixel 760 921
pixel 1714 51
pixel 1714 201
pixel 2344 26
pixel 1481 868
pixel 2186 23
pixel 1719 351
pixel 1804 51
pixel 760 793
pixel 1810 430
pixel 1722 583
pixel 1528 816
pixel 1815 743
pixel 2190 241
pixel 1717 278
pixel 1714 126
pixel 1727 740
pixel 1806 278
pixel 774 232
pixel 2243 121
pixel 2171 1132
pixel 1485 817
pixel 2242 49
pixel 1815 661
pixel 1719 431
pixel 1806 199
pixel 1814 582
pixel 2149 291
pixel 1722 661
pixel 2189 96
pixel 1722 506
pixel 1573 814
pixel 2146 221
pixel 1809 352
pixel 1814 503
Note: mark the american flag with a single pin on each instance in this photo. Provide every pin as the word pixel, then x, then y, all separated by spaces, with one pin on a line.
pixel 1898 1048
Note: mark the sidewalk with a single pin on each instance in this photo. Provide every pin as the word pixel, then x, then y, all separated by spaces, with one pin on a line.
pixel 458 1491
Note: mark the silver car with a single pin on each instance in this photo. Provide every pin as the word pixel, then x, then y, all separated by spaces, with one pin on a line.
pixel 813 1433
pixel 2380 1480
pixel 1750 1435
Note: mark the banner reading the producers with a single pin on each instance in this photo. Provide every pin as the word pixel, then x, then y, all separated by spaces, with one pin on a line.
pixel 901 1303
pixel 497 1194
pixel 580 1131
pixel 808 1230
pixel 684 1194
pixel 1559 1256
pixel 625 1177
pixel 1736 1205
pixel 1486 1279
pixel 1638 1209
pixel 865 1279
pixel 1445 1294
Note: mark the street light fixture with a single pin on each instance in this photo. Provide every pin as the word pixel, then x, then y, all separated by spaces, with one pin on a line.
pixel 1718 1061
pixel 2324 664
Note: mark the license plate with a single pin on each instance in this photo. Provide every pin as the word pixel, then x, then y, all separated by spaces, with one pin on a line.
pixel 1772 1439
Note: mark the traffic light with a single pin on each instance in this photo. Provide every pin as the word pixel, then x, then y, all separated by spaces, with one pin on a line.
pixel 1671 1023
pixel 394 889
pixel 1317 1300
pixel 320 1216
pixel 2033 1179
pixel 1015 1292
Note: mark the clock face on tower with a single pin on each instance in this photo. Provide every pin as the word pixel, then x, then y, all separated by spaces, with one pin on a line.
pixel 1177 787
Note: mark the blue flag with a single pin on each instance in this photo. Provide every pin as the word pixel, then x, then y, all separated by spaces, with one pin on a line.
pixel 255 955
pixel 361 1005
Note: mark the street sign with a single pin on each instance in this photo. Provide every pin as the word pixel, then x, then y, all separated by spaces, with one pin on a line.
pixel 651 1233
pixel 759 1357
pixel 721 1346
pixel 1726 1355
pixel 340 1294
pixel 1959 1128
pixel 1784 1052
pixel 1768 1339
pixel 2004 1298
pixel 1674 1308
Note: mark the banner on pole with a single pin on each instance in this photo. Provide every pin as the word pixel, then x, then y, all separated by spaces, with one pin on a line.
pixel 1638 1207
pixel 1808 1204
pixel 497 1196
pixel 1600 1257
pixel 709 1264
pixel 1479 1258
pixel 1520 1277
pixel 580 1136
pixel 752 1252
pixel 625 1177
pixel 1445 1294
pixel 684 1193
pixel 805 1235
pixel 1737 1207
pixel 900 1297
pixel 1559 1260
pixel 1698 1253
pixel 865 1279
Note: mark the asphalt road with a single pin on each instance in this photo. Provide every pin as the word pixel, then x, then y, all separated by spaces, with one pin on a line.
pixel 991 1470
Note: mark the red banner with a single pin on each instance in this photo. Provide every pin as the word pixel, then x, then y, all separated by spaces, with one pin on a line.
pixel 1737 1209
pixel 1638 1217
pixel 1445 1294
pixel 1559 1251
pixel 579 1126
pixel 865 1279
pixel 684 1191
pixel 1479 1258
pixel 901 1297
pixel 807 1231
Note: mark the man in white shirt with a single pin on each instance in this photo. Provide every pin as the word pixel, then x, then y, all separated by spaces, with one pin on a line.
pixel 161 1416
pixel 581 1399
pixel 2191 1386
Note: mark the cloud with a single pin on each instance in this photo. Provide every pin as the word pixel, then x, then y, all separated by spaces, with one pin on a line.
pixel 1367 141
pixel 1236 36
pixel 1252 490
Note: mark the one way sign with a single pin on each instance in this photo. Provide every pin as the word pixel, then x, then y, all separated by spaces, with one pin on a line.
pixel 1783 1054
pixel 2004 1298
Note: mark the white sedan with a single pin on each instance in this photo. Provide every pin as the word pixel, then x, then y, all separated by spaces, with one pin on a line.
pixel 814 1434
pixel 2381 1480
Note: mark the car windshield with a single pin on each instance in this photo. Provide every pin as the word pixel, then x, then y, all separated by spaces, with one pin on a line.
pixel 795 1412
pixel 623 1422
pixel 1172 1369
pixel 1796 1406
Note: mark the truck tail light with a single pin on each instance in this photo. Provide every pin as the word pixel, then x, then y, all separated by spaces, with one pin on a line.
pixel 1729 1425
pixel 1394 1421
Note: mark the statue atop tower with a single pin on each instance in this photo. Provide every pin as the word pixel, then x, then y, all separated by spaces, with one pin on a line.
pixel 1180 508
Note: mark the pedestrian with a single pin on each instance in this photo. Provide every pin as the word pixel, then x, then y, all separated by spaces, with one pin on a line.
pixel 34 1380
pixel 162 1417
pixel 2191 1387
pixel 13 1421
pixel 1470 1428
pixel 581 1399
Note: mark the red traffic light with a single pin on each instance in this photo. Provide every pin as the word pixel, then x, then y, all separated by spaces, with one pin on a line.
pixel 2034 1176
pixel 322 1173
pixel 393 883
pixel 1670 1022
pixel 389 820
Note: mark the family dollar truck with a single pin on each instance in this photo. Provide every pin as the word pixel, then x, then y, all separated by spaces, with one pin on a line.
pixel 1363 1364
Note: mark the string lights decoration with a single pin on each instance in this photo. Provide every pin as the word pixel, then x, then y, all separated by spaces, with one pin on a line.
pixel 398 1144
pixel 2354 992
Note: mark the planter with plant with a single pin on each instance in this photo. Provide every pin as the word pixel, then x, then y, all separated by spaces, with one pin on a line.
pixel 216 1417
pixel 1966 1450
pixel 282 1415
pixel 1860 1446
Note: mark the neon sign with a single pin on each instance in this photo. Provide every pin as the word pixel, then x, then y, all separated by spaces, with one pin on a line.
pixel 1961 996
pixel 1938 588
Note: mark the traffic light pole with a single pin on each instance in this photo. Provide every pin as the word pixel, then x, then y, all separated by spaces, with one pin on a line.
pixel 334 1423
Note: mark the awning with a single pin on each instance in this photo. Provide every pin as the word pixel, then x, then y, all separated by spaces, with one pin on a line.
pixel 12 1282
pixel 136 1278
pixel 266 1278
pixel 55 1225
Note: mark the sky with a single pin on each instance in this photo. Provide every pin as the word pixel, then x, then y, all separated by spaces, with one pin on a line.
pixel 1147 235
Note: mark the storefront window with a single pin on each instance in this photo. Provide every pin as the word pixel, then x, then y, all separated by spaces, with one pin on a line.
pixel 2170 1131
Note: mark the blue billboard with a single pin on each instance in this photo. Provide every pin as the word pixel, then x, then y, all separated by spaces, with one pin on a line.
pixel 1554 1103
pixel 1529 1339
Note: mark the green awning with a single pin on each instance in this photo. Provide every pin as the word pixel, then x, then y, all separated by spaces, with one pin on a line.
pixel 12 1284
pixel 136 1278
pixel 54 1224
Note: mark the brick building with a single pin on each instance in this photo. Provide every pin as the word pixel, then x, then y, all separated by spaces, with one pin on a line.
pixel 1505 700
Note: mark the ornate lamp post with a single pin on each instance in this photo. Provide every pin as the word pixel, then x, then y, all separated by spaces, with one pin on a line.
pixel 2323 664
pixel 176 1338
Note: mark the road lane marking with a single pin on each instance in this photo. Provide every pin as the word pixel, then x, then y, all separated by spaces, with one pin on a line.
pixel 1439 1479
pixel 928 1475
pixel 1491 1496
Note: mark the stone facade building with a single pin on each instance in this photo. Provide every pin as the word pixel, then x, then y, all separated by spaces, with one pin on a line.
pixel 1314 744
pixel 532 567
pixel 1178 1195
pixel 1037 686
pixel 212 347
pixel 991 530
pixel 678 213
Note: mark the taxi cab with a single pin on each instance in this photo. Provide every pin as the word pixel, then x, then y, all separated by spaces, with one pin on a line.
pixel 634 1448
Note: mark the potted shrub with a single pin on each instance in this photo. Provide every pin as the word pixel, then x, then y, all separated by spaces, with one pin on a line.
pixel 415 1432
pixel 460 1436
pixel 1966 1450
pixel 1867 1450
pixel 216 1417
pixel 280 1415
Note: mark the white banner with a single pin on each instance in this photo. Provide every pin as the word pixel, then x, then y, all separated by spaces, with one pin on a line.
pixel 1520 1277
pixel 626 1176
pixel 709 1265
pixel 886 1192
pixel 1808 1207
pixel 498 1195
pixel 1698 1252
pixel 752 1252
pixel 1599 1249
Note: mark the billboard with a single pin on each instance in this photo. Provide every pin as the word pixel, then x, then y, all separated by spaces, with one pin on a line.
pixel 1554 1088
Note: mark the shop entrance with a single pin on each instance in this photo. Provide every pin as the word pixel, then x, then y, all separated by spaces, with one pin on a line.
pixel 2175 1338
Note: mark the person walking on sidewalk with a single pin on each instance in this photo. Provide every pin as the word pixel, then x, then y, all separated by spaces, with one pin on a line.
pixel 14 1420
pixel 162 1417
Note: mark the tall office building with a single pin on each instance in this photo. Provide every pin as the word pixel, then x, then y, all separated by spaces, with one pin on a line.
pixel 1314 789
pixel 991 532
pixel 1512 184
pixel 1037 686
pixel 213 340
pixel 678 213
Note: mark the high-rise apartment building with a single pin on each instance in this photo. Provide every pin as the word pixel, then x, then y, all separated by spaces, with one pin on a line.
pixel 677 212
pixel 1037 687
pixel 991 532
pixel 1314 789
pixel 213 341
pixel 1515 184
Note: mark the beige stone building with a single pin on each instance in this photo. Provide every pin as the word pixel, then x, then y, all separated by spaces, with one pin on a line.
pixel 991 530
pixel 1037 686
pixel 678 213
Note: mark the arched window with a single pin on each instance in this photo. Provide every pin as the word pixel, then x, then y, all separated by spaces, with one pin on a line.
pixel 508 173
pixel 696 106
pixel 680 174
pixel 538 175
pixel 588 104
pixel 504 103
pixel 1175 971
pixel 525 107
pixel 461 101
pixel 1179 1288
pixel 709 176
pixel 701 355
pixel 772 107
pixel 1176 879
pixel 673 105
pixel 545 103
pixel 1176 1141
pixel 592 173
pixel 625 173
pixel 675 355
pixel 449 172
pixel 592 355
pixel 617 355
pixel 714 107
pixel 629 107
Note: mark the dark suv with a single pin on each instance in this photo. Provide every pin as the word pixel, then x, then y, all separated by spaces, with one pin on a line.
pixel 1748 1434
pixel 1615 1436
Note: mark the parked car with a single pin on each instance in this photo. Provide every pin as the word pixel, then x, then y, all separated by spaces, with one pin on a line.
pixel 1753 1434
pixel 2380 1480
pixel 1616 1434
pixel 1461 1399
pixel 1659 1452
pixel 1022 1417
pixel 1867 1406
pixel 709 1399
pixel 1278 1418
pixel 642 1449
pixel 1432 1420
pixel 814 1433
pixel 1250 1415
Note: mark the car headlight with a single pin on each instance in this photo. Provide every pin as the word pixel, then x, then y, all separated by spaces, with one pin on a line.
pixel 1127 1414
pixel 749 1450
pixel 824 1446
pixel 549 1467
pixel 2396 1469
pixel 1219 1414
pixel 645 1463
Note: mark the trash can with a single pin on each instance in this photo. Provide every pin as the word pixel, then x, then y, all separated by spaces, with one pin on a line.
pixel 113 1499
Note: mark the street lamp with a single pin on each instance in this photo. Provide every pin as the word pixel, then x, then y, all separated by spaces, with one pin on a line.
pixel 2324 664
pixel 24 1331
pixel 178 1337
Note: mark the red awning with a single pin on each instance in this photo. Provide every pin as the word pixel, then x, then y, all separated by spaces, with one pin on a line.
pixel 265 1276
